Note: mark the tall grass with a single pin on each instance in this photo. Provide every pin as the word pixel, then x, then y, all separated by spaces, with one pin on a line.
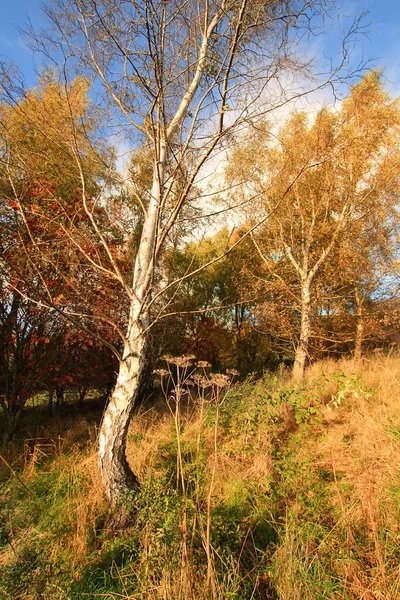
pixel 259 490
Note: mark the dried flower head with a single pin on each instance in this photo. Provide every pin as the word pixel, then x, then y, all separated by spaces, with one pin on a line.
pixel 220 380
pixel 178 391
pixel 203 364
pixel 160 372
pixel 168 358
pixel 196 377
pixel 233 372
pixel 201 381
pixel 180 361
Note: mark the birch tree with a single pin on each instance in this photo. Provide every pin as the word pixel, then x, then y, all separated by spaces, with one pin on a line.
pixel 322 181
pixel 176 80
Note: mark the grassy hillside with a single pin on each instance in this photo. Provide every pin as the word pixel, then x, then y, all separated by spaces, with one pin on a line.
pixel 258 490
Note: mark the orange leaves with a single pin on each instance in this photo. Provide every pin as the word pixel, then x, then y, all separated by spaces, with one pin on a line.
pixel 59 299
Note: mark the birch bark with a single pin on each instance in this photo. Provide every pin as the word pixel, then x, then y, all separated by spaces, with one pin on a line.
pixel 116 474
pixel 359 327
pixel 305 332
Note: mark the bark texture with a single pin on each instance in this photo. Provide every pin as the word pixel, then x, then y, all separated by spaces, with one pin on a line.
pixel 359 327
pixel 117 476
pixel 305 332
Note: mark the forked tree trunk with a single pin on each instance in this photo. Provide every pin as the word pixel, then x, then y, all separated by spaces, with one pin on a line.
pixel 305 333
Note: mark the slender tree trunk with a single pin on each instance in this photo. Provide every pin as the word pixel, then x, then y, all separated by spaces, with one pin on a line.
pixel 359 327
pixel 117 476
pixel 82 394
pixel 50 403
pixel 305 332
pixel 12 418
pixel 238 322
pixel 59 397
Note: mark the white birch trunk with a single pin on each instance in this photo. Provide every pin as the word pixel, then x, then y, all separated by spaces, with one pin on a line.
pixel 117 476
pixel 305 332
pixel 359 327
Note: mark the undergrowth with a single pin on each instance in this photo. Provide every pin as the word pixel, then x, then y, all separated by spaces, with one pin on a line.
pixel 255 490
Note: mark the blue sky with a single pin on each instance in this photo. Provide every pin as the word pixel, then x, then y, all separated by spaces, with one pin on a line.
pixel 13 13
pixel 384 39
pixel 383 43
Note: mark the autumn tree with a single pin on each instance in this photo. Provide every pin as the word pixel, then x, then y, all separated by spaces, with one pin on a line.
pixel 40 353
pixel 357 282
pixel 195 320
pixel 27 348
pixel 79 364
pixel 48 242
pixel 323 181
pixel 213 315
pixel 41 262
pixel 181 78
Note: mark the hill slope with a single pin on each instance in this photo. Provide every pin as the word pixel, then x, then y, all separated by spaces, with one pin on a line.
pixel 263 489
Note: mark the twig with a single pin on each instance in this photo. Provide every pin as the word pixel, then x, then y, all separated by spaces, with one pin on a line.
pixel 15 475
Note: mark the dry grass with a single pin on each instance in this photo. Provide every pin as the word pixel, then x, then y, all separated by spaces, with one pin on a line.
pixel 360 445
pixel 254 470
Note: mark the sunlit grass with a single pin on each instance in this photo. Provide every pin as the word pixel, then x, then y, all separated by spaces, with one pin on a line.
pixel 288 492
